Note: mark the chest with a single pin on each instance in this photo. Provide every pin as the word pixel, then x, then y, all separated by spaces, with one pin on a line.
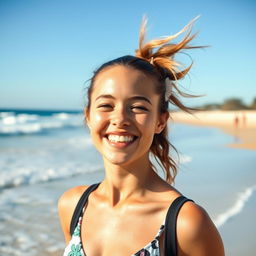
pixel 105 232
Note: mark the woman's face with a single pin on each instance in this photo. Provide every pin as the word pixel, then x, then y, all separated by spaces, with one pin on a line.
pixel 123 116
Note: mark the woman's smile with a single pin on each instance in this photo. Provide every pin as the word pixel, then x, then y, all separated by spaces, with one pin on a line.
pixel 120 141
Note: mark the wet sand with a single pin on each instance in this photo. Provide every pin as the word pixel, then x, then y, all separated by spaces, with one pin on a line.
pixel 240 124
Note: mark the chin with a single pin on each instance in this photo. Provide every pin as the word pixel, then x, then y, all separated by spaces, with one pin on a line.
pixel 118 159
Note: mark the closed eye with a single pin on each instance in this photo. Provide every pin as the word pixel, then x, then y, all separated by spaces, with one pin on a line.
pixel 104 106
pixel 107 106
pixel 140 107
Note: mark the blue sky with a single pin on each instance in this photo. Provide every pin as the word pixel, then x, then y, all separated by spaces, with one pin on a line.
pixel 49 48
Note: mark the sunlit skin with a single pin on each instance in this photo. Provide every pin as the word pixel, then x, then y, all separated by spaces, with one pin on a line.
pixel 128 208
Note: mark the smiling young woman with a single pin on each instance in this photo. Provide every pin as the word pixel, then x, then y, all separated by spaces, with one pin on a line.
pixel 133 211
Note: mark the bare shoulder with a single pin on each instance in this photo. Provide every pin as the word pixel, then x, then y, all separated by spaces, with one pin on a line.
pixel 66 206
pixel 70 197
pixel 196 233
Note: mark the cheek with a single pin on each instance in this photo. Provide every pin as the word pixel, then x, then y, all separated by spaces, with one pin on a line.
pixel 97 123
pixel 96 120
pixel 146 121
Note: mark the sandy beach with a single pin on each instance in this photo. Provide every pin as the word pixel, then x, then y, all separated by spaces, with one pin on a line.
pixel 241 124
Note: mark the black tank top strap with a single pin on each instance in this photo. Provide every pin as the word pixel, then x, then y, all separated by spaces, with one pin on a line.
pixel 170 241
pixel 79 207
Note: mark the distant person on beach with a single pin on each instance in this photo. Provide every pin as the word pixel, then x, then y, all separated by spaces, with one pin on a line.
pixel 134 211
pixel 236 121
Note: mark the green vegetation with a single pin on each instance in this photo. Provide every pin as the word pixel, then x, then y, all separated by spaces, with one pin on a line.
pixel 253 105
pixel 230 104
pixel 233 104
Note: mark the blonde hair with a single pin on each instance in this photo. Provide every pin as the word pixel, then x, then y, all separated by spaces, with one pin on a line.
pixel 163 57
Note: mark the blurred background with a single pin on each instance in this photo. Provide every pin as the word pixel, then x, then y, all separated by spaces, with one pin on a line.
pixel 49 50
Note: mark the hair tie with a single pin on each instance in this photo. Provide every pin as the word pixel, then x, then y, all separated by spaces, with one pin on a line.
pixel 168 88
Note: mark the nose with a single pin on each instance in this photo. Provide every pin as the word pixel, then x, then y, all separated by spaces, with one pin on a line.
pixel 120 118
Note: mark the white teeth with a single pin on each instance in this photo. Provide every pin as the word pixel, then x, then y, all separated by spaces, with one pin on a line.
pixel 116 138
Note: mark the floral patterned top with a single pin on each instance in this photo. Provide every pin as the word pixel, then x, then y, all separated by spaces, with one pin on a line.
pixel 75 247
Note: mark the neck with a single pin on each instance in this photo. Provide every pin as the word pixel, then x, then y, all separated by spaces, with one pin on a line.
pixel 122 183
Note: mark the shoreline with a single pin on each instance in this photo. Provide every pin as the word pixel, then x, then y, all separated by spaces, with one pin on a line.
pixel 240 124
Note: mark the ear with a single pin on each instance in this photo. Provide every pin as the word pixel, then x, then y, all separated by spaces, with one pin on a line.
pixel 86 117
pixel 162 122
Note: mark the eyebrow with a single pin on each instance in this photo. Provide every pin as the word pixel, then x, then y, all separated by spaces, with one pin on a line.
pixel 136 97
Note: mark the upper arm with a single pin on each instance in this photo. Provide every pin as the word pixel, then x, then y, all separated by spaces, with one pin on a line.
pixel 66 206
pixel 196 233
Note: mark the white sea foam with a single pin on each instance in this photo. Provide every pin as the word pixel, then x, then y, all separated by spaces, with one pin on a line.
pixel 15 124
pixel 23 118
pixel 22 176
pixel 5 114
pixel 236 208
pixel 9 120
pixel 61 116
pixel 45 158
pixel 21 208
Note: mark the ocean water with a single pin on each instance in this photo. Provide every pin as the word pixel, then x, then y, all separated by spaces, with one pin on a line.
pixel 43 153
